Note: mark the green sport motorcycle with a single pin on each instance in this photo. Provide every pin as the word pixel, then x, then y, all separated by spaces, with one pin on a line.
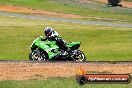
pixel 50 51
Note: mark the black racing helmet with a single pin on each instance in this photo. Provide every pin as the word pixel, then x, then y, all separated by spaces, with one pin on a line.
pixel 48 31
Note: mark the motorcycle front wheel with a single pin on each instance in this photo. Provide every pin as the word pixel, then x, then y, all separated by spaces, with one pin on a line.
pixel 36 55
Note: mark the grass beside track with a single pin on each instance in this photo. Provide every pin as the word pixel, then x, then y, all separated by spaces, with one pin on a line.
pixel 129 0
pixel 99 43
pixel 75 7
pixel 57 83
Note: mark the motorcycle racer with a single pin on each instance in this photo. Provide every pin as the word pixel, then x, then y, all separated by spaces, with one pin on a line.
pixel 52 35
pixel 54 48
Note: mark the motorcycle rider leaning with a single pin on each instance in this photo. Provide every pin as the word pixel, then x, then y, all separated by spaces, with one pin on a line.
pixel 52 35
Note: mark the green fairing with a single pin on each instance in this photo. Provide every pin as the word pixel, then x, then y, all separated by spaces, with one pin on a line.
pixel 48 46
pixel 73 44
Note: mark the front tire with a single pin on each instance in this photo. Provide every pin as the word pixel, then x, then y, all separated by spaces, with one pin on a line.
pixel 30 56
pixel 36 55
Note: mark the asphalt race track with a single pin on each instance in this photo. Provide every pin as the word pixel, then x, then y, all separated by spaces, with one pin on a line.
pixel 38 17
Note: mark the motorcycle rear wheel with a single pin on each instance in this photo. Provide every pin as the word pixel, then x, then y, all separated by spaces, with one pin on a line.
pixel 80 56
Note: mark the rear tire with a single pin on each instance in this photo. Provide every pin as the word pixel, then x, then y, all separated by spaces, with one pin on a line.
pixel 80 56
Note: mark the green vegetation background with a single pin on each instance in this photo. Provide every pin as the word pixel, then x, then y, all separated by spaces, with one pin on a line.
pixel 94 9
pixel 99 43
pixel 57 83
